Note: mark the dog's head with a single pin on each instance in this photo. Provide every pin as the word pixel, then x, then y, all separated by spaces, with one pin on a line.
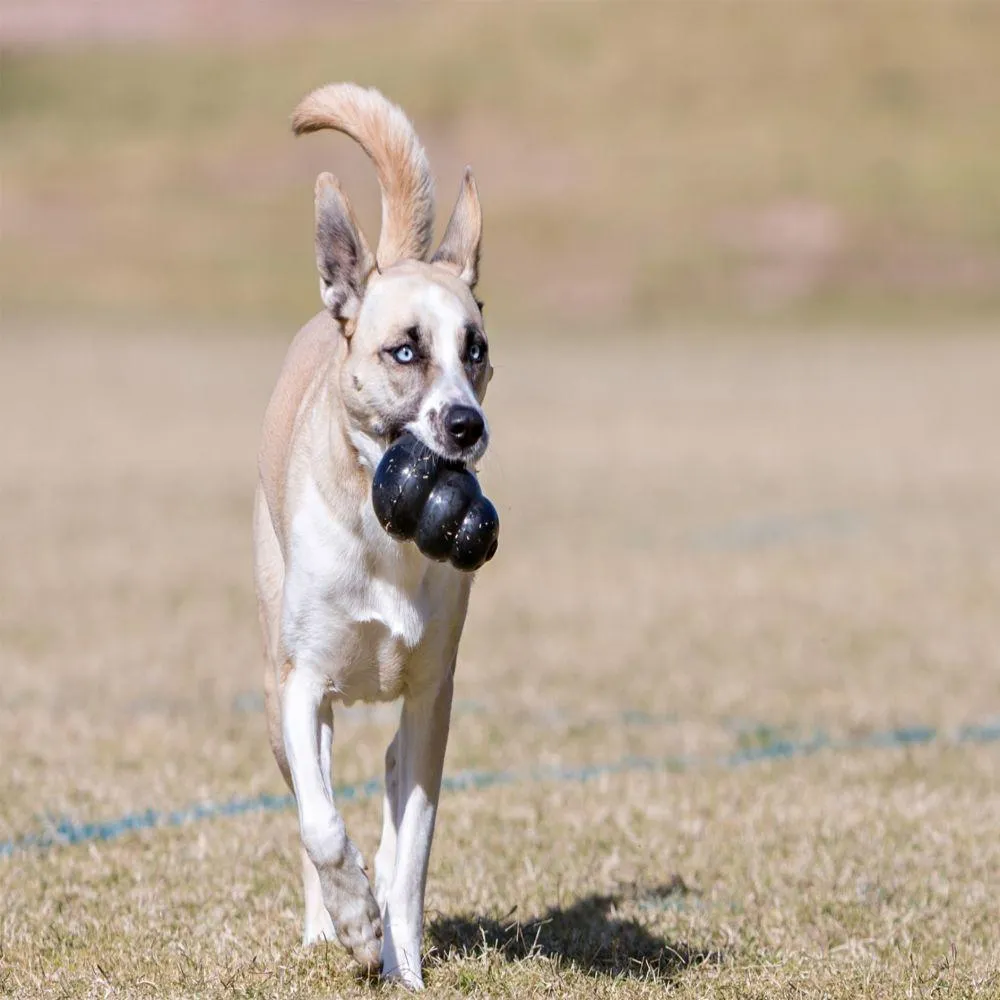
pixel 415 353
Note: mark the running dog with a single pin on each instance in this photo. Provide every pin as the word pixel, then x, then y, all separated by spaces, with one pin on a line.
pixel 347 612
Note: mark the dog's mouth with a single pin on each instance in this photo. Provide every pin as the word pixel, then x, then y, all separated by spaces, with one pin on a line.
pixel 434 439
pixel 450 454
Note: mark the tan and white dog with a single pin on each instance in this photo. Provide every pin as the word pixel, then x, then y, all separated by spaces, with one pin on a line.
pixel 348 613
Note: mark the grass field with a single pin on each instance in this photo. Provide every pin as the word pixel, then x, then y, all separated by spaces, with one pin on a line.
pixel 733 578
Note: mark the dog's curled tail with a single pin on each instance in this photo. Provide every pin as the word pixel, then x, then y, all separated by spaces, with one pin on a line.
pixel 385 133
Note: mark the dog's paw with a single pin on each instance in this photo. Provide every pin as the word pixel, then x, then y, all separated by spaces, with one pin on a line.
pixel 401 962
pixel 356 917
pixel 408 977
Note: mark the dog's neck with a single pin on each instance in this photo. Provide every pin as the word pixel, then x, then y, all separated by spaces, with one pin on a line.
pixel 345 455
pixel 367 449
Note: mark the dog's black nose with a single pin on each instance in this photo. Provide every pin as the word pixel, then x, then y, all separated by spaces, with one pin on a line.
pixel 464 425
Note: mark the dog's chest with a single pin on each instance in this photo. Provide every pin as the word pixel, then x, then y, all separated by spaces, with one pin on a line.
pixel 358 606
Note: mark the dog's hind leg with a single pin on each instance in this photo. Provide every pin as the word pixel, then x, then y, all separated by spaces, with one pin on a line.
pixel 385 857
pixel 307 730
pixel 318 923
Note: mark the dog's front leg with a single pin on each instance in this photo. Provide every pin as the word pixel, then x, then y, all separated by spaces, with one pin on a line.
pixel 343 882
pixel 419 759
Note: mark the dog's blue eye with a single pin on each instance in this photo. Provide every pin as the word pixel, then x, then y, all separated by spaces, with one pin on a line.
pixel 475 353
pixel 404 354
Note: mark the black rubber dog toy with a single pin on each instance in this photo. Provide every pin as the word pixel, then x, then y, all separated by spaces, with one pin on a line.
pixel 418 495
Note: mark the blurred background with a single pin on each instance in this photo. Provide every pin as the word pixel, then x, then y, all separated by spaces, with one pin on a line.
pixel 641 164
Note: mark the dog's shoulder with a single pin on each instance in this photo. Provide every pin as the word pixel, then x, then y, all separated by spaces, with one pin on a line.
pixel 308 357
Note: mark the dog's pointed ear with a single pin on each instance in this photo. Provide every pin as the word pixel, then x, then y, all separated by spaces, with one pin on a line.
pixel 343 257
pixel 459 249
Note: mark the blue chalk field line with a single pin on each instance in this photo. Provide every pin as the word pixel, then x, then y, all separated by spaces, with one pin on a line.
pixel 67 832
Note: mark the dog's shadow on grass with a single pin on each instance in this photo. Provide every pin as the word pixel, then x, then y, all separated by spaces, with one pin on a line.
pixel 588 935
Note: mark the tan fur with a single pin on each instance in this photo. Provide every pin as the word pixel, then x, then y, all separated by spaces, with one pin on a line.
pixel 308 359
pixel 384 132
pixel 459 249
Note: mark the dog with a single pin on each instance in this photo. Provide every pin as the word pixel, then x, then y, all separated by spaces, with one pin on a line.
pixel 347 612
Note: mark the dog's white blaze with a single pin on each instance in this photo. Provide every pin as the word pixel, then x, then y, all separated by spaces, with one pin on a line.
pixel 452 387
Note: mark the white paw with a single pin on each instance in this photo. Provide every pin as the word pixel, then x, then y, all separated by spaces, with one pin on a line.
pixel 401 963
pixel 408 977
pixel 356 918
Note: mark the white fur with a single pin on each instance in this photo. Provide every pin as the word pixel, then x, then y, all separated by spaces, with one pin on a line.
pixel 451 388
pixel 331 601
pixel 390 619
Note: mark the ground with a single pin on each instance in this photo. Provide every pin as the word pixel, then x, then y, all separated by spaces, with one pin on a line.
pixel 727 707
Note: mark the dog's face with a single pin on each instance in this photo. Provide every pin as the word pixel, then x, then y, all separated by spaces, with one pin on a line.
pixel 418 360
pixel 415 354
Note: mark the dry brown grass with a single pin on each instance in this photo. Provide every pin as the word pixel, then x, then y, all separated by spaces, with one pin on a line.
pixel 739 542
